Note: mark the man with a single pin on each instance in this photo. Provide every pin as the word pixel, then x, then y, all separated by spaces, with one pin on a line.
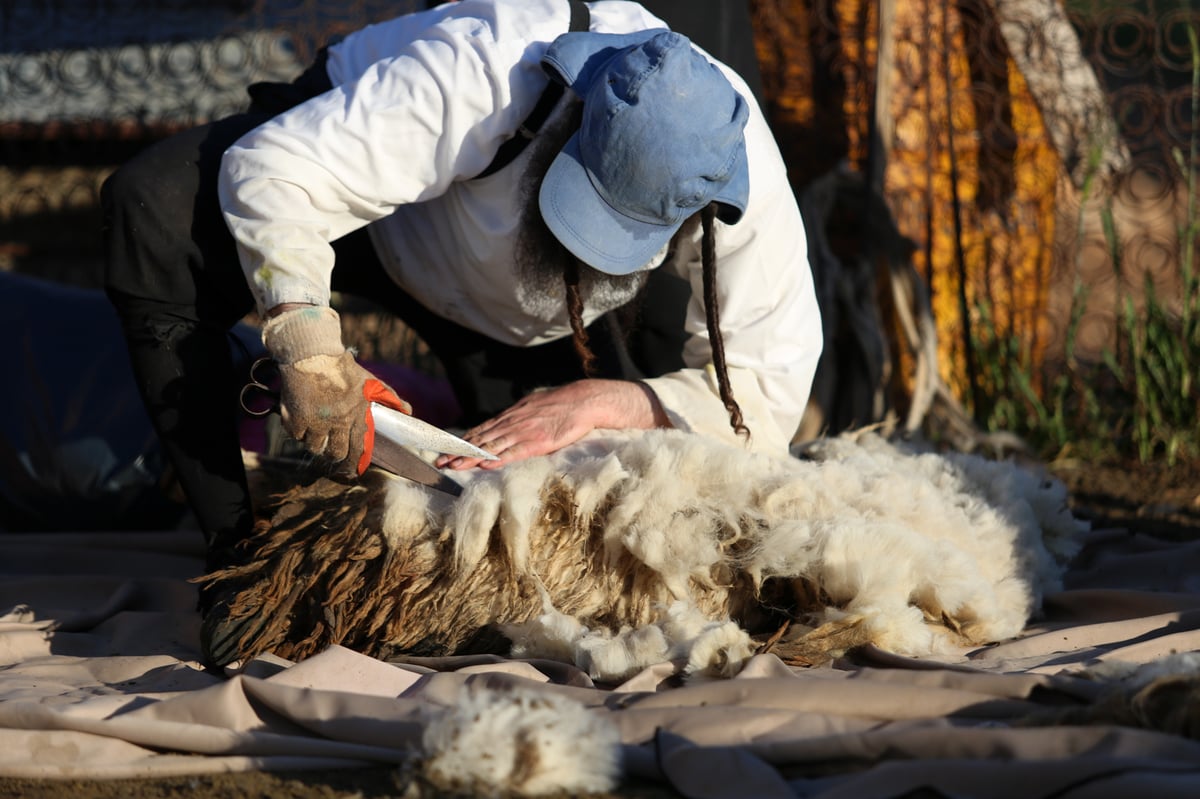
pixel 394 178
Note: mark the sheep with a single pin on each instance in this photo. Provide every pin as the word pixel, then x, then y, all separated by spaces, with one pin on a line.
pixel 634 548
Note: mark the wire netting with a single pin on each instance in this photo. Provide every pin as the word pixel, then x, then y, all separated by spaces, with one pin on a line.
pixel 997 154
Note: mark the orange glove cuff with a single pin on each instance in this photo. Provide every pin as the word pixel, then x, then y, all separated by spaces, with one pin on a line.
pixel 375 391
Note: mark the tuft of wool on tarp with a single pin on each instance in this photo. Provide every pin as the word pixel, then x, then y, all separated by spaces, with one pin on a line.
pixel 511 740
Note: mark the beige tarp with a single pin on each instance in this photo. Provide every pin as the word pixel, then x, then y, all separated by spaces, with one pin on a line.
pixel 99 678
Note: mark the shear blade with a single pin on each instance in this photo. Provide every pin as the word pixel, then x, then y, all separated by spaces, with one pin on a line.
pixel 394 458
pixel 409 431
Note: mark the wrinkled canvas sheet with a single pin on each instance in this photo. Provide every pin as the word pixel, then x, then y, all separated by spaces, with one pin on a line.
pixel 99 677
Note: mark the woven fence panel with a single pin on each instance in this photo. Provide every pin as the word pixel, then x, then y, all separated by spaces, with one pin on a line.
pixel 86 83
pixel 119 64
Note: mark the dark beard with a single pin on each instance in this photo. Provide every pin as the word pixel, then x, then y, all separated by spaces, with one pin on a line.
pixel 539 258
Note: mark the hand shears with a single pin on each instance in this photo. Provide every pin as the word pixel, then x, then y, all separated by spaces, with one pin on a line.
pixel 394 432
pixel 258 398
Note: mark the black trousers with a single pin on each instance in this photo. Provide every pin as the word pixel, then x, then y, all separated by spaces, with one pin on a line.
pixel 173 275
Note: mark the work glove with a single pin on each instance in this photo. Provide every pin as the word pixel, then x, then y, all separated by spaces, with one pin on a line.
pixel 325 396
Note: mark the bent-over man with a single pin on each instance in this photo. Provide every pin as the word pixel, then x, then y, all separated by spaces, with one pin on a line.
pixel 396 168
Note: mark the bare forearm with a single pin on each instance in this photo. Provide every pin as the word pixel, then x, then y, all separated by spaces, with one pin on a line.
pixel 286 306
pixel 625 405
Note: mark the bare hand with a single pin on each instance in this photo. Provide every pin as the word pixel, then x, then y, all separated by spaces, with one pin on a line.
pixel 546 421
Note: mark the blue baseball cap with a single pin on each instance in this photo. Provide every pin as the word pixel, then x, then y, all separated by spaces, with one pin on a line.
pixel 661 137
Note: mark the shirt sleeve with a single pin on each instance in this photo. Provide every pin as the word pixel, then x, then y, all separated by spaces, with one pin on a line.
pixel 769 318
pixel 401 132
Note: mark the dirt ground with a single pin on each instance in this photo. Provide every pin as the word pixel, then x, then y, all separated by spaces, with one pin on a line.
pixel 372 783
pixel 365 783
pixel 1154 499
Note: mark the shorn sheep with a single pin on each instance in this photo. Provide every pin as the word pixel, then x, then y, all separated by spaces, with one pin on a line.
pixel 626 550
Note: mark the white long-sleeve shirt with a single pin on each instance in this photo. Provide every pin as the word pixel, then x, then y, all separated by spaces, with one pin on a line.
pixel 420 106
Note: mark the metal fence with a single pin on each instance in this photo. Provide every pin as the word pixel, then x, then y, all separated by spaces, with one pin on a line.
pixel 1145 55
pixel 1005 135
pixel 84 83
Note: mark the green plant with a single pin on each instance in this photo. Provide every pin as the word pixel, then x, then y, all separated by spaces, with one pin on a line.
pixel 1141 399
pixel 1055 412
pixel 1163 344
pixel 1048 407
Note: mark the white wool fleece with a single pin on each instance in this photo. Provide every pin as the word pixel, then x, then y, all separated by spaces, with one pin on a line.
pixel 673 532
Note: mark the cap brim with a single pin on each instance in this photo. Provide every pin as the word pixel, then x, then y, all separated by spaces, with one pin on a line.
pixel 589 227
